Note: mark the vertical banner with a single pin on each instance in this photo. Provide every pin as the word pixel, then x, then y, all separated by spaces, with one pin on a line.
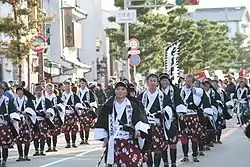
pixel 68 28
pixel 171 55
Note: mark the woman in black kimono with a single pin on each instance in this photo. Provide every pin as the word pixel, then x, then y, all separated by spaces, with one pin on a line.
pixel 6 128
pixel 22 102
pixel 43 108
pixel 55 100
pixel 119 124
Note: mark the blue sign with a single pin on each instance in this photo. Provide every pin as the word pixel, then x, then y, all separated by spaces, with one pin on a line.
pixel 135 60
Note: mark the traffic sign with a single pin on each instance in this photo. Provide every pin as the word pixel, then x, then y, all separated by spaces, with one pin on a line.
pixel 135 60
pixel 134 43
pixel 38 43
pixel 125 16
pixel 134 52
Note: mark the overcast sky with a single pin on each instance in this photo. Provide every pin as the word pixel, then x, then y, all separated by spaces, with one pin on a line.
pixel 108 4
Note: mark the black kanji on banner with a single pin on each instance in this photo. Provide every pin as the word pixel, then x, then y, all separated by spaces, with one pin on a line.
pixel 171 55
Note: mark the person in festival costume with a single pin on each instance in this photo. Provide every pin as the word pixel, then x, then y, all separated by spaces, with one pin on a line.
pixel 87 115
pixel 159 113
pixel 55 100
pixel 197 104
pixel 224 103
pixel 147 141
pixel 173 95
pixel 45 115
pixel 70 126
pixel 8 125
pixel 242 100
pixel 26 110
pixel 119 124
pixel 213 97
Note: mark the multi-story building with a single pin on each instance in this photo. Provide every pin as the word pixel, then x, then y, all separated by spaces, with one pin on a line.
pixel 236 18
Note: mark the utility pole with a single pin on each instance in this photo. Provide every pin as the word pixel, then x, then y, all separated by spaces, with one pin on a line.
pixel 40 55
pixel 17 33
pixel 126 35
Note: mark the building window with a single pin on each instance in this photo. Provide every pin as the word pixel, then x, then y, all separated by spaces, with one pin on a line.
pixel 244 28
pixel 48 33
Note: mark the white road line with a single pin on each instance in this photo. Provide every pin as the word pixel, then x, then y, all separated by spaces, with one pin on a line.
pixel 12 157
pixel 69 158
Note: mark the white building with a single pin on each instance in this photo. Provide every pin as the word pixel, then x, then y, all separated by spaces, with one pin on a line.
pixel 236 18
pixel 68 16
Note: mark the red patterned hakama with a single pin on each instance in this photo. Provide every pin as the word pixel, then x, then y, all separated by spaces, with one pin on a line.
pixel 192 127
pixel 86 119
pixel 25 132
pixel 127 154
pixel 43 130
pixel 70 123
pixel 58 128
pixel 6 137
pixel 159 141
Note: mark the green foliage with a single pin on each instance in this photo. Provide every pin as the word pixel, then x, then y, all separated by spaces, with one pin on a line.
pixel 242 52
pixel 204 44
pixel 18 30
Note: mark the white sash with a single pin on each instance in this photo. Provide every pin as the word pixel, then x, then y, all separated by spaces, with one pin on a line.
pixel 66 98
pixel 38 102
pixel 1 100
pixel 20 103
pixel 186 94
pixel 114 129
pixel 52 98
pixel 241 93
pixel 144 101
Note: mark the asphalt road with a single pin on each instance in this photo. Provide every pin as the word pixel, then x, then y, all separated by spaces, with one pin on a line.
pixel 234 152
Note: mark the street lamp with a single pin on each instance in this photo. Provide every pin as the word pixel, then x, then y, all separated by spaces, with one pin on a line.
pixel 98 44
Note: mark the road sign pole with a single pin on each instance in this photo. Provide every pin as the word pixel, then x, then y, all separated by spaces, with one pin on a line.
pixel 126 34
pixel 134 73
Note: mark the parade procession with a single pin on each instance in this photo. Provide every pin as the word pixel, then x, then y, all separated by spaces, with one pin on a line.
pixel 135 128
pixel 124 83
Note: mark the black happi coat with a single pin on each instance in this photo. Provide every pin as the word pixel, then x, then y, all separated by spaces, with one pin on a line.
pixel 244 96
pixel 174 97
pixel 39 111
pixel 156 105
pixel 72 102
pixel 6 113
pixel 3 110
pixel 107 109
pixel 205 103
pixel 103 118
pixel 84 97
pixel 224 98
pixel 25 104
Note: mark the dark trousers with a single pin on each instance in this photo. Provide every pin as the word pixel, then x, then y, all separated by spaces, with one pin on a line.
pixel 23 152
pixel 73 137
pixel 40 142
pixel 54 141
pixel 4 154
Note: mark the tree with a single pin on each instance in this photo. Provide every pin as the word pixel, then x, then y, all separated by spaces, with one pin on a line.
pixel 204 43
pixel 217 49
pixel 243 52
pixel 26 20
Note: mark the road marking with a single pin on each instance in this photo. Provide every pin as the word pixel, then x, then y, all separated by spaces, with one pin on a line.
pixel 223 136
pixel 12 157
pixel 72 157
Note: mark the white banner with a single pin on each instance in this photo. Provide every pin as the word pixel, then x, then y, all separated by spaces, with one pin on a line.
pixel 171 55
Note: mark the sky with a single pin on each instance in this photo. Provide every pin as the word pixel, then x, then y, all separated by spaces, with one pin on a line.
pixel 108 4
